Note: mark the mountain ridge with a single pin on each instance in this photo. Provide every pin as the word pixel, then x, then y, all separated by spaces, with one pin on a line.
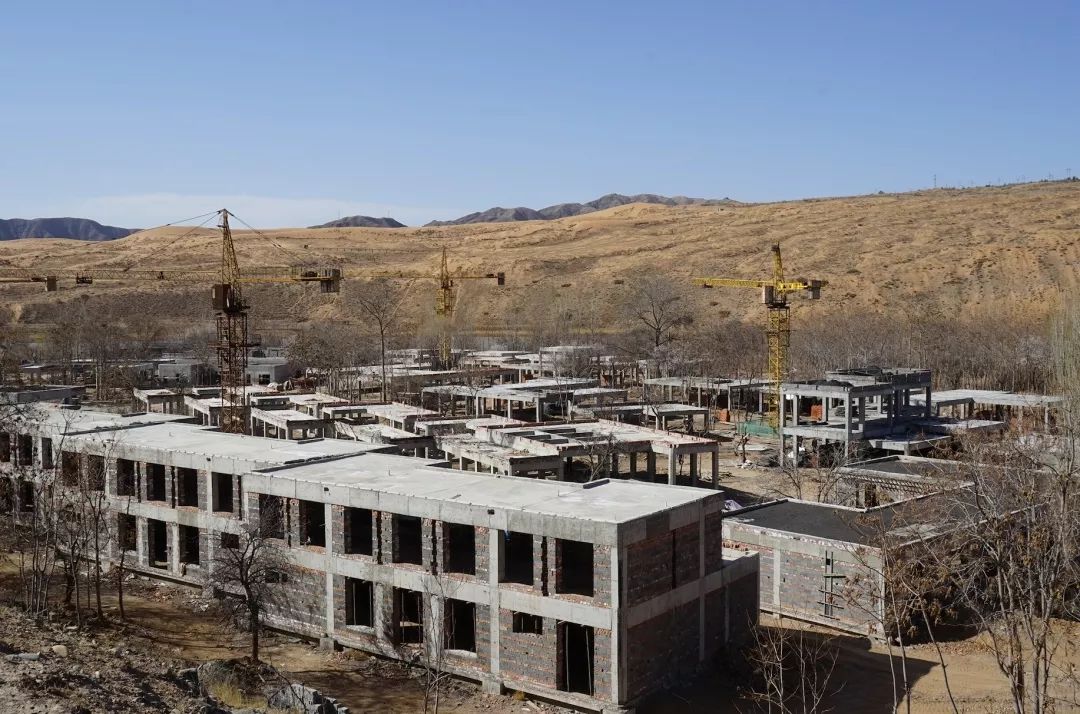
pixel 362 222
pixel 498 214
pixel 66 227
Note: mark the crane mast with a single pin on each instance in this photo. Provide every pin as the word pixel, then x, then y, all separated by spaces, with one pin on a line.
pixel 444 311
pixel 774 295
pixel 231 316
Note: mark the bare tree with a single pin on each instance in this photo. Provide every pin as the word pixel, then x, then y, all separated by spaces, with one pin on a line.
pixel 438 643
pixel 379 305
pixel 901 594
pixel 13 345
pixel 815 480
pixel 793 669
pixel 657 306
pixel 250 569
pixel 601 456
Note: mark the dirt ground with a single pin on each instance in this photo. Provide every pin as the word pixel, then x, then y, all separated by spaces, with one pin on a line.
pixel 182 626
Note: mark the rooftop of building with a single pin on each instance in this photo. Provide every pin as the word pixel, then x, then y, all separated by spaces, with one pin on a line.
pixel 910 518
pixel 906 466
pixel 950 397
pixel 282 416
pixel 81 421
pixel 251 452
pixel 602 501
pixel 809 518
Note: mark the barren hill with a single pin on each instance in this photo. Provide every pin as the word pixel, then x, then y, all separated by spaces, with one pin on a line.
pixel 78 228
pixel 564 210
pixel 950 251
pixel 361 222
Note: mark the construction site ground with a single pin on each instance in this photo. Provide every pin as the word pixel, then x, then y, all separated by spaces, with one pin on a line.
pixel 169 627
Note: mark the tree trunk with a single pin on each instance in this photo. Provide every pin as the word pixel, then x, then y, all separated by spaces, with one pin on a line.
pixel 120 587
pixel 97 573
pixel 254 624
pixel 382 359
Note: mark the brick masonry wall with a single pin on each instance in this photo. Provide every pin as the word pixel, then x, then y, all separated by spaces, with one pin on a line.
pixel 601 575
pixel 385 613
pixel 714 542
pixel 542 577
pixel 428 541
pixel 301 601
pixel 527 656
pixel 687 554
pixel 337 530
pixel 481 663
pixel 292 521
pixel 238 496
pixel 662 650
pixel 802 580
pixel 729 614
pixel 743 601
pixel 602 656
pixel 351 636
pixel 386 536
pixel 648 568
pixel 483 554
pixel 203 479
pixel 144 527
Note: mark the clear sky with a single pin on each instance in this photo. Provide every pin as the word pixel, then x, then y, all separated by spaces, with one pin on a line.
pixel 291 113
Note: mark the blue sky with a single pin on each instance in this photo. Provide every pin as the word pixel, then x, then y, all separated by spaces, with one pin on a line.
pixel 292 113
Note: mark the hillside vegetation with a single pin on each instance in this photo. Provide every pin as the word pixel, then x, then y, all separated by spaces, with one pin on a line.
pixel 1008 251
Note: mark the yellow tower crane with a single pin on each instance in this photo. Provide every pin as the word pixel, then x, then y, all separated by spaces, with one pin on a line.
pixel 445 298
pixel 231 311
pixel 774 295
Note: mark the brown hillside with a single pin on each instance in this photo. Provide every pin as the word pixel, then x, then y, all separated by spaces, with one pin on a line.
pixel 966 251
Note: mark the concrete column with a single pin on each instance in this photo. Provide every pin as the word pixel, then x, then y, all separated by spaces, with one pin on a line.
pixel 862 413
pixel 693 469
pixel 494 565
pixel 141 547
pixel 650 465
pixel 614 472
pixel 926 412
pixel 781 423
pixel 847 425
pixel 172 531
pixel 716 467
pixel 539 409
pixel 633 464
pixel 673 467
pixel 328 519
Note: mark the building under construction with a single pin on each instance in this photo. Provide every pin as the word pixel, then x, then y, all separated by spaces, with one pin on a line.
pixel 594 595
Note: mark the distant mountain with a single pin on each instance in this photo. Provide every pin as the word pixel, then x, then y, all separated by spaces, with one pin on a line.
pixel 77 228
pixel 562 210
pixel 495 215
pixel 361 222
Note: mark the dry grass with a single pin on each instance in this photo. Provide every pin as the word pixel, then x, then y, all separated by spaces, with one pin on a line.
pixel 1011 250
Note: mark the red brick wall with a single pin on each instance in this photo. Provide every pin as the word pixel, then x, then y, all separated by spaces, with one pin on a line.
pixel 662 650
